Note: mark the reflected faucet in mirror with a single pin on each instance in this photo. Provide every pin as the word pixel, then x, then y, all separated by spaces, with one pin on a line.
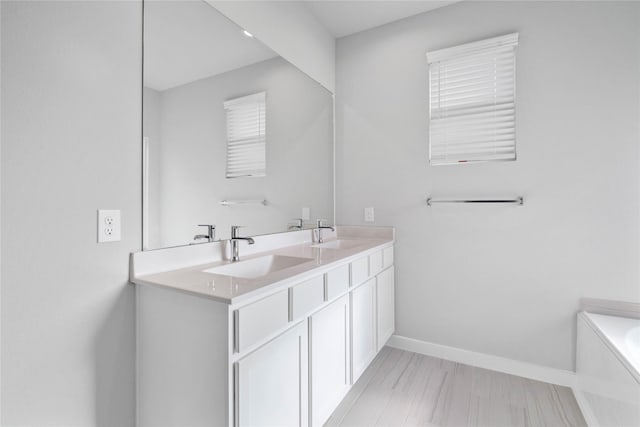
pixel 211 233
pixel 299 224
pixel 235 256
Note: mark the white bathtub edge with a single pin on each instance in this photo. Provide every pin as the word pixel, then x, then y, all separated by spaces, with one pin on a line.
pixel 607 340
pixel 607 387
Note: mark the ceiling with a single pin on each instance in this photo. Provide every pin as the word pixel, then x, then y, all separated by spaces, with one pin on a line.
pixel 186 41
pixel 345 17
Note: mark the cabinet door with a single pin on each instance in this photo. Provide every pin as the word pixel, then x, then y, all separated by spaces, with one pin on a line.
pixel 329 359
pixel 271 384
pixel 385 296
pixel 363 327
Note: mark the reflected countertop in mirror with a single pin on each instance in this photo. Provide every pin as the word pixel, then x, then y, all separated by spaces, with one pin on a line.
pixel 197 64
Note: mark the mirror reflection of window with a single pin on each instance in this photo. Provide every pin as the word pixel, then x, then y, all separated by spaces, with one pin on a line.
pixel 246 136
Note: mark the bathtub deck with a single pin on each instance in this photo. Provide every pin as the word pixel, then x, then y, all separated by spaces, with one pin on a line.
pixel 614 331
pixel 401 388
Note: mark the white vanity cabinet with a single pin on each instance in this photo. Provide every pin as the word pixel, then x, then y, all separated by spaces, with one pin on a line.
pixel 283 356
pixel 372 309
pixel 385 300
pixel 330 358
pixel 271 383
pixel 363 327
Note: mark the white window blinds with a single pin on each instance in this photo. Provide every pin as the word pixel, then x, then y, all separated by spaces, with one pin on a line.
pixel 246 136
pixel 472 102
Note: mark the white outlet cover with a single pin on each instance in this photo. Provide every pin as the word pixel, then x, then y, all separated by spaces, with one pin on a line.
pixel 369 214
pixel 306 214
pixel 108 225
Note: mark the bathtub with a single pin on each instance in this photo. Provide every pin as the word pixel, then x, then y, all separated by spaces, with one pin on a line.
pixel 608 369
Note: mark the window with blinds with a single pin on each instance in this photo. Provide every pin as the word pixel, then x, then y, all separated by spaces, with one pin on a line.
pixel 246 136
pixel 472 102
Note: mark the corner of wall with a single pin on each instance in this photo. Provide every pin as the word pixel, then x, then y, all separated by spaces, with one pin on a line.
pixel 0 215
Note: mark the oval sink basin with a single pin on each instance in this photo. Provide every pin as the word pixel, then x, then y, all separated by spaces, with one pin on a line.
pixel 338 244
pixel 257 267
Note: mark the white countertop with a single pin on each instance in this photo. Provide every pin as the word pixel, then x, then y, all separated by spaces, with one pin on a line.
pixel 187 275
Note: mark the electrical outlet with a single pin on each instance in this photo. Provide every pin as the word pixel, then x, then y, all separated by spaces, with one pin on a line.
pixel 306 214
pixel 368 214
pixel 108 225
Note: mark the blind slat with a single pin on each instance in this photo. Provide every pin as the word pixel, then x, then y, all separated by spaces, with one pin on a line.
pixel 463 111
pixel 497 96
pixel 452 106
pixel 477 117
pixel 478 85
pixel 461 69
pixel 505 145
pixel 479 140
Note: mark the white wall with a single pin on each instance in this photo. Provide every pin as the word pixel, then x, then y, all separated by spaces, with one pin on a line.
pixel 71 84
pixel 502 280
pixel 191 181
pixel 0 218
pixel 291 30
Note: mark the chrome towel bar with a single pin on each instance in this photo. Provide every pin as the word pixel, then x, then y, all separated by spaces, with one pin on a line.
pixel 243 202
pixel 518 201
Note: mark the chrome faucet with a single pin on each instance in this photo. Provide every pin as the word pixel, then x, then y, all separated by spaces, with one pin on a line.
pixel 211 233
pixel 234 242
pixel 321 227
pixel 298 225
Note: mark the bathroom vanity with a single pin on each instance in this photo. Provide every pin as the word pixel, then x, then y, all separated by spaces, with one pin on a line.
pixel 277 338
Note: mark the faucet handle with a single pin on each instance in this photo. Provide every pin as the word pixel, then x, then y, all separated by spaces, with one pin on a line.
pixel 321 225
pixel 211 231
pixel 299 222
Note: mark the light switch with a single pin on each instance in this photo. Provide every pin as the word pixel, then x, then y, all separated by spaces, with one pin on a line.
pixel 368 214
pixel 108 225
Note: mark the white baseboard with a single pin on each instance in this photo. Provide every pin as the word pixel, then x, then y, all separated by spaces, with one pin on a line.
pixel 486 361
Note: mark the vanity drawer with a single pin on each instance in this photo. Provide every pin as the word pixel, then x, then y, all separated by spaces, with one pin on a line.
pixel 375 263
pixel 306 297
pixel 337 282
pixel 359 271
pixel 387 257
pixel 257 321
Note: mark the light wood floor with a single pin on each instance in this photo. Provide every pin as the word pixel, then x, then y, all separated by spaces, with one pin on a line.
pixel 401 388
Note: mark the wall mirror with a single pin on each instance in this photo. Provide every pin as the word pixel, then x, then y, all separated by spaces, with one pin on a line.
pixel 199 153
